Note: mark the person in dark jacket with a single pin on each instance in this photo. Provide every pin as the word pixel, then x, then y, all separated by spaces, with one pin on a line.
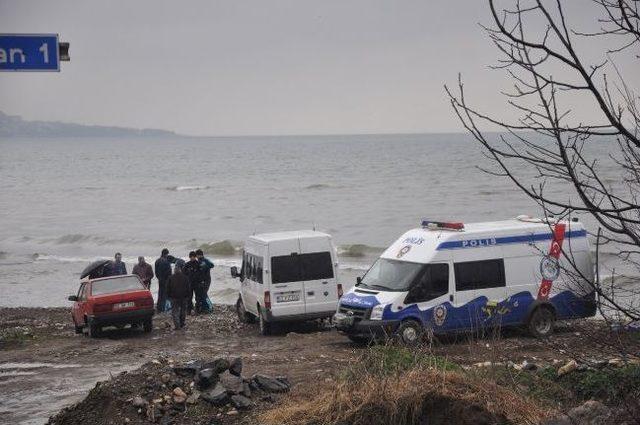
pixel 205 266
pixel 144 271
pixel 163 272
pixel 178 291
pixel 118 267
pixel 194 273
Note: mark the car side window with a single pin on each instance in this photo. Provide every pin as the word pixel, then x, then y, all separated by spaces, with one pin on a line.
pixel 432 283
pixel 259 261
pixel 82 292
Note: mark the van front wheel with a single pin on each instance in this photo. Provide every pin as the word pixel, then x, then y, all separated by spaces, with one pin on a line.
pixel 409 333
pixel 541 322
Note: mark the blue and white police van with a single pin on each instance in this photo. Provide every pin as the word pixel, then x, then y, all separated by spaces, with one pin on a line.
pixel 448 277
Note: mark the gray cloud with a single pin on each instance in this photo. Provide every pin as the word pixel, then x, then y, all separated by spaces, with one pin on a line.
pixel 256 67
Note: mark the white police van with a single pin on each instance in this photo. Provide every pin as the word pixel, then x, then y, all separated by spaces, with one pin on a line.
pixel 446 277
pixel 287 276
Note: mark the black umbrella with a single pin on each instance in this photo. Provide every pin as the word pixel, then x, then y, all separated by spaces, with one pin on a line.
pixel 95 266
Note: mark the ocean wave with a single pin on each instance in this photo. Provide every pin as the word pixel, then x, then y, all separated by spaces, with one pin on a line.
pixel 322 186
pixel 225 248
pixel 183 188
pixel 358 250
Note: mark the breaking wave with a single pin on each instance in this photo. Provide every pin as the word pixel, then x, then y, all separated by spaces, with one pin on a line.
pixel 358 250
pixel 183 188
pixel 225 248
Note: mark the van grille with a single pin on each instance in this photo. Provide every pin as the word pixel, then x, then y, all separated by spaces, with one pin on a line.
pixel 357 312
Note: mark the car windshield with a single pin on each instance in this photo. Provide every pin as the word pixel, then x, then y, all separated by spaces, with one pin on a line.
pixel 391 275
pixel 119 284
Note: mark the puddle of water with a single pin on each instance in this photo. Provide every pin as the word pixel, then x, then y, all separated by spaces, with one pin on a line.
pixel 45 388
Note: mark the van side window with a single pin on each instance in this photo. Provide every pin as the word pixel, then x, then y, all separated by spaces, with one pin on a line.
pixel 243 268
pixel 316 266
pixel 432 283
pixel 259 261
pixel 285 268
pixel 479 274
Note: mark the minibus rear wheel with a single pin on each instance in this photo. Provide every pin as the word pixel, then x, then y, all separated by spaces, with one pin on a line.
pixel 541 322
pixel 265 327
pixel 409 333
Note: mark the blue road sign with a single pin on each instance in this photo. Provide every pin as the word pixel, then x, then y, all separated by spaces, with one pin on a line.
pixel 29 52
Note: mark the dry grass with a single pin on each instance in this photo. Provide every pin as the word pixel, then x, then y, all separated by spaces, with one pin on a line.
pixel 418 395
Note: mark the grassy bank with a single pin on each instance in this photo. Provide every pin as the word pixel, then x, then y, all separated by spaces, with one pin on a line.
pixel 390 384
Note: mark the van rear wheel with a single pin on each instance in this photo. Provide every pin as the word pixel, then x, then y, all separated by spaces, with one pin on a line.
pixel 265 327
pixel 409 333
pixel 541 322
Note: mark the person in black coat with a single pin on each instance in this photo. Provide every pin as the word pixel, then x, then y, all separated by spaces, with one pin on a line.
pixel 178 291
pixel 194 272
pixel 163 272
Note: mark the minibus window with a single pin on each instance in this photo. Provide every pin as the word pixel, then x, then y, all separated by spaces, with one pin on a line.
pixel 432 283
pixel 259 261
pixel 285 268
pixel 316 266
pixel 479 274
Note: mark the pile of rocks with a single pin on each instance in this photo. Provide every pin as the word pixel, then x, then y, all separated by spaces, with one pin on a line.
pixel 217 383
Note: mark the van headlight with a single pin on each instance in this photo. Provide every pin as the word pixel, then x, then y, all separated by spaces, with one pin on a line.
pixel 376 312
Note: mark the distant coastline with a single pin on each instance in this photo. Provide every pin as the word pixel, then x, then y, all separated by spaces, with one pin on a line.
pixel 13 126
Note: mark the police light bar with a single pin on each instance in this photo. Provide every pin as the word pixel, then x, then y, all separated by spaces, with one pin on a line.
pixel 435 225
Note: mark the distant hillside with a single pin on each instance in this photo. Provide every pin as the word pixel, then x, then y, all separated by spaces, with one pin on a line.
pixel 15 126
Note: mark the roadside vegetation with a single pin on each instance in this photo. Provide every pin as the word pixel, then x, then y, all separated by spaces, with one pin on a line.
pixel 399 385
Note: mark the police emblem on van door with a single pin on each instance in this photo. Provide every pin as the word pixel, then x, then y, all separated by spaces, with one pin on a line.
pixel 549 268
pixel 403 251
pixel 439 314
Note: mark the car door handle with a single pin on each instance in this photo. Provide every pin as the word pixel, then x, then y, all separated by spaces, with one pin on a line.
pixel 280 286
pixel 324 283
pixel 310 293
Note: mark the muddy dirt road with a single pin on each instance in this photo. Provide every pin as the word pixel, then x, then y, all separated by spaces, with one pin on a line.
pixel 45 366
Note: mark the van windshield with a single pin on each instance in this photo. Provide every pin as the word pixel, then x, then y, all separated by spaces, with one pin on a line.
pixel 391 275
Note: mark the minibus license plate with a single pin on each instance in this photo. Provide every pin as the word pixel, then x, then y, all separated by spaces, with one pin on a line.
pixel 286 298
pixel 120 306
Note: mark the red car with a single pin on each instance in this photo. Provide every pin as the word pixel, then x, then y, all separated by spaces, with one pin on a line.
pixel 112 301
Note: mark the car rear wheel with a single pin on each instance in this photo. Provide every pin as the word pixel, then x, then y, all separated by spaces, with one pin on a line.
pixel 94 330
pixel 147 325
pixel 541 322
pixel 409 333
pixel 243 315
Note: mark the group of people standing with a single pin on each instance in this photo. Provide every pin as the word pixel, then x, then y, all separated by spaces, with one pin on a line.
pixel 177 288
pixel 189 278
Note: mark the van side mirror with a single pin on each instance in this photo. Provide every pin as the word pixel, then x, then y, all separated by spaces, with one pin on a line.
pixel 73 298
pixel 234 272
pixel 358 280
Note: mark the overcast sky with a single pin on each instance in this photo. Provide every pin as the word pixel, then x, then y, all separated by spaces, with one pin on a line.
pixel 257 67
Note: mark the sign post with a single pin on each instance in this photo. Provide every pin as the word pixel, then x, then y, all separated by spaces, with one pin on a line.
pixel 31 52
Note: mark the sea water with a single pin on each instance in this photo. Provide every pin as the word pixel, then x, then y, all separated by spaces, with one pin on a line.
pixel 66 202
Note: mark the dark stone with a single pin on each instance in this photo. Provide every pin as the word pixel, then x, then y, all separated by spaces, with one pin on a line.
pixel 219 365
pixel 175 383
pixel 189 369
pixel 235 368
pixel 233 384
pixel 270 385
pixel 246 390
pixel 268 398
pixel 253 385
pixel 241 402
pixel 206 378
pixel 284 380
pixel 216 396
pixel 166 420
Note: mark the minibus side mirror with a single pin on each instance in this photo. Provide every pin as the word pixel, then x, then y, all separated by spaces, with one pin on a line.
pixel 358 280
pixel 234 272
pixel 73 298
